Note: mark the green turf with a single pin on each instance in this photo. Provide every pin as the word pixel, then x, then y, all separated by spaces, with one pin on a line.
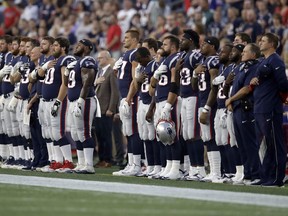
pixel 26 200
pixel 105 175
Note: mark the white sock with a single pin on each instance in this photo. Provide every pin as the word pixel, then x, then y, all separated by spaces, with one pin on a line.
pixel 175 165
pixel 66 151
pixel 210 161
pixel 58 154
pixel 21 152
pixel 186 162
pixel 137 160
pixel 11 153
pixel 193 171
pixel 88 155
pixel 216 158
pixel 130 158
pixel 16 152
pixel 50 151
pixel 201 170
pixel 26 154
pixel 4 151
pixel 167 168
pixel 80 156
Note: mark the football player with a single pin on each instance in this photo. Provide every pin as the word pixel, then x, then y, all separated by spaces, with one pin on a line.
pixel 125 68
pixel 79 78
pixel 54 93
pixel 202 79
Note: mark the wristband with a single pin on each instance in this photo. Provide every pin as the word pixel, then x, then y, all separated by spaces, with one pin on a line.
pixel 194 74
pixel 80 100
pixel 168 106
pixel 206 109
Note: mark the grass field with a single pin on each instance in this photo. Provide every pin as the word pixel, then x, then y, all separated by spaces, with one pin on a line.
pixel 23 200
pixel 31 200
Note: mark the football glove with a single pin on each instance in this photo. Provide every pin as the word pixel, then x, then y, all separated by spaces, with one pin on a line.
pixel 55 108
pixel 160 70
pixel 12 104
pixel 118 63
pixel 78 107
pixel 218 80
pixel 223 120
pixel 126 109
pixel 166 112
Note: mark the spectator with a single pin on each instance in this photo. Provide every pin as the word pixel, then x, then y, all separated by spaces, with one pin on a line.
pixel 113 37
pixel 232 24
pixel 33 31
pixel 30 12
pixel 66 31
pixel 84 27
pixel 207 13
pixel 251 26
pixel 125 15
pixel 264 18
pixel 216 27
pixel 11 16
pixel 278 29
pixel 282 9
pixel 160 29
pixel 47 12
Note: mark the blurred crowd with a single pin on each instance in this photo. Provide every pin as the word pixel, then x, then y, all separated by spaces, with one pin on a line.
pixel 105 21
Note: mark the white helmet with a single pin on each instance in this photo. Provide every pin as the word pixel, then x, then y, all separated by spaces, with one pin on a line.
pixel 165 131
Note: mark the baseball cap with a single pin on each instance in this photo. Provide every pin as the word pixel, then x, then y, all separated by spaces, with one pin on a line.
pixel 87 43
pixel 191 35
pixel 239 47
pixel 213 41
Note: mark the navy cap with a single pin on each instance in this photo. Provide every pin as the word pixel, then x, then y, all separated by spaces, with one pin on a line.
pixel 213 41
pixel 191 35
pixel 87 43
pixel 239 47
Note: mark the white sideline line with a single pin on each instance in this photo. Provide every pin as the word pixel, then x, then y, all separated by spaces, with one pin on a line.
pixel 150 190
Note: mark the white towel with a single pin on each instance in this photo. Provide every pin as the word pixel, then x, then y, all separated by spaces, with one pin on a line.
pixel 98 108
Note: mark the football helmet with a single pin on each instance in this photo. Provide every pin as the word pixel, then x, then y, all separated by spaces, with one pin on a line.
pixel 166 132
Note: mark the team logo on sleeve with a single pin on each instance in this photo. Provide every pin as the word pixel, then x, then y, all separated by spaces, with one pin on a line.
pixel 88 64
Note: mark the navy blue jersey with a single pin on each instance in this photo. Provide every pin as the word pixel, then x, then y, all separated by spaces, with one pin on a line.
pixel 42 60
pixel 221 98
pixel 272 80
pixel 246 72
pixel 125 73
pixel 2 61
pixel 163 87
pixel 75 83
pixel 204 79
pixel 144 91
pixel 53 78
pixel 24 81
pixel 191 61
pixel 7 87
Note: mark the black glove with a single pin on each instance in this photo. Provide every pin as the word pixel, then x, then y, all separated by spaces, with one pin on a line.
pixel 55 107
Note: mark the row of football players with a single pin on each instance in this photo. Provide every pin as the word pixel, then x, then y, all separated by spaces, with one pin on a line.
pixel 55 90
pixel 189 81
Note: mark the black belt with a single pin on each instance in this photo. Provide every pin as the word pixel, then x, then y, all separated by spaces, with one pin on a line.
pixel 6 96
pixel 47 100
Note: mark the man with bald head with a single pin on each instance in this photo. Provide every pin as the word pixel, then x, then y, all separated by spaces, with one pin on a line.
pixel 108 96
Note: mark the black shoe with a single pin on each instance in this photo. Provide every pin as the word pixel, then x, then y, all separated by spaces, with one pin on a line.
pixel 273 184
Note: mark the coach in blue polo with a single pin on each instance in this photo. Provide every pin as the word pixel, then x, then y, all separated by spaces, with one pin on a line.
pixel 270 80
